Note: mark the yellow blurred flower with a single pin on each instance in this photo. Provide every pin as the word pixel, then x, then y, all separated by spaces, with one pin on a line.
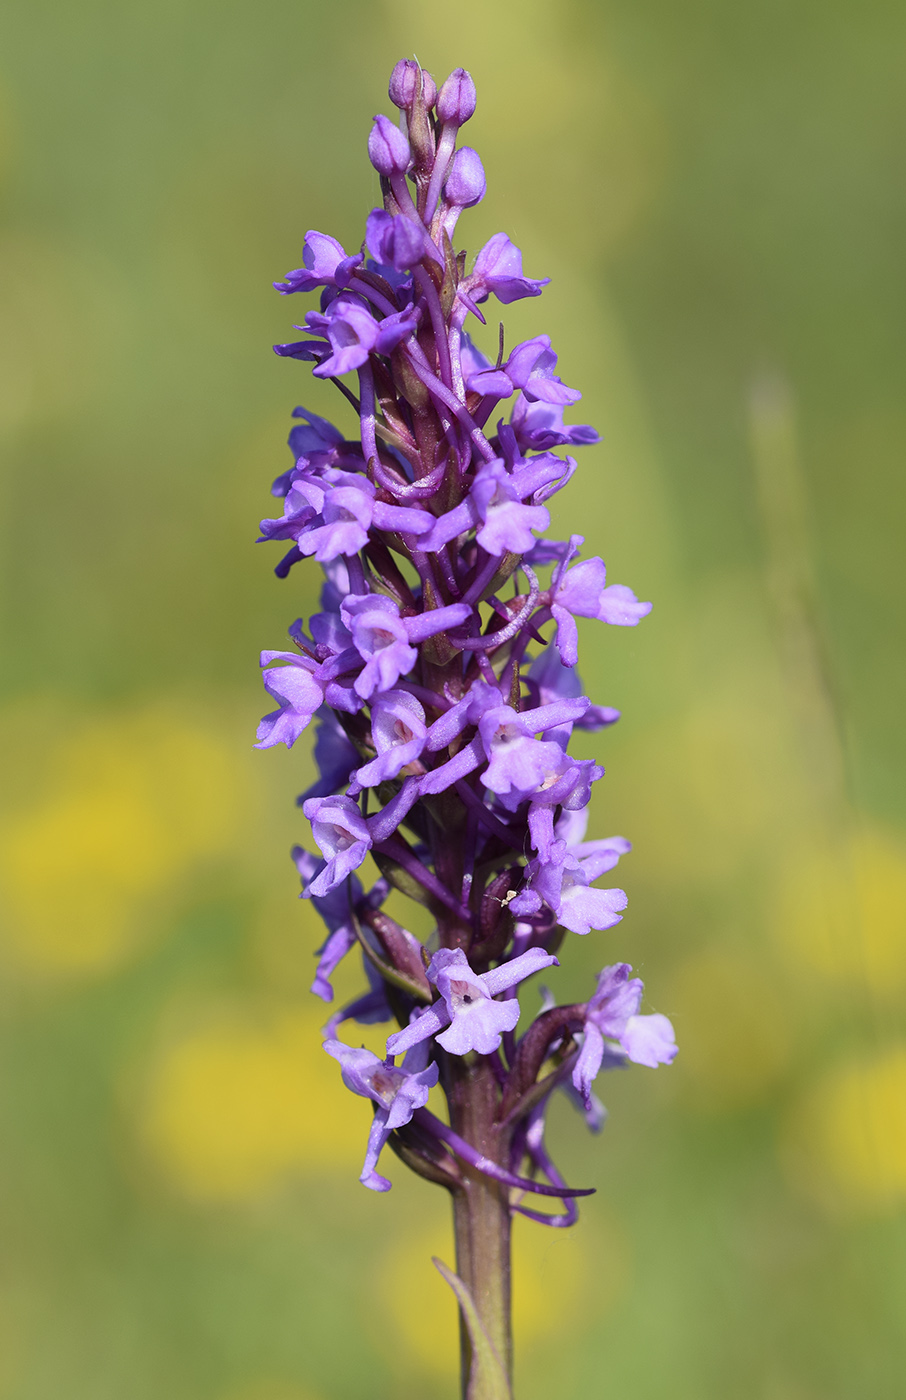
pixel 234 1106
pixel 843 912
pixel 844 1143
pixel 127 805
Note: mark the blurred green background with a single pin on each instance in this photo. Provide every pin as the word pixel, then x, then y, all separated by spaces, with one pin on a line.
pixel 717 191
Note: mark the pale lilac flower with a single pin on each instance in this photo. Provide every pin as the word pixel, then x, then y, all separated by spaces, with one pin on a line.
pixel 298 694
pixel 316 445
pixel 323 258
pixel 386 641
pixel 612 1014
pixel 581 592
pixel 398 733
pixel 380 637
pixel 519 763
pixel 530 367
pixel 396 1091
pixel 508 524
pixel 498 270
pixel 353 333
pixel 343 838
pixel 539 426
pixel 468 1007
pixel 303 500
pixel 348 509
pixel 579 906
pixel 497 505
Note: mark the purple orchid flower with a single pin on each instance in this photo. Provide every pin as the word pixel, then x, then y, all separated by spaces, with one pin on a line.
pixel 581 592
pixel 505 505
pixel 397 1091
pixel 348 511
pixel 354 333
pixel 398 732
pixel 538 426
pixel 316 445
pixel 518 763
pixel 498 270
pixel 324 264
pixel 612 1014
pixel 530 367
pixel 345 837
pixel 507 523
pixel 565 885
pixel 386 641
pixel 303 501
pixel 476 1021
pixel 298 694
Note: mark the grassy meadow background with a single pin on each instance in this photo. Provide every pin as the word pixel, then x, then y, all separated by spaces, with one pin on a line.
pixel 717 191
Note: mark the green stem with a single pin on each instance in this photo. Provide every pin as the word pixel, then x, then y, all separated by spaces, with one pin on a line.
pixel 481 1218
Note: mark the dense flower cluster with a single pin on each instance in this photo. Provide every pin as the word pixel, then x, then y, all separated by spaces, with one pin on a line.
pixel 441 671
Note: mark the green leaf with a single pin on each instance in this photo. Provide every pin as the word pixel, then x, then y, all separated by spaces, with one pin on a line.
pixel 488 1379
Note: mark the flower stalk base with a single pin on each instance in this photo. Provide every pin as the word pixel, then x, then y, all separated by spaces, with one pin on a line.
pixel 482 1221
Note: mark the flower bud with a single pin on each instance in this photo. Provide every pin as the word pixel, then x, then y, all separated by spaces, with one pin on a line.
pixel 466 184
pixel 404 85
pixel 388 149
pixel 456 99
pixel 394 240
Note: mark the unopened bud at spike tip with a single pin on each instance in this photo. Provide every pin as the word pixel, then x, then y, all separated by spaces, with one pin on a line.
pixel 404 85
pixel 388 149
pixel 456 99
